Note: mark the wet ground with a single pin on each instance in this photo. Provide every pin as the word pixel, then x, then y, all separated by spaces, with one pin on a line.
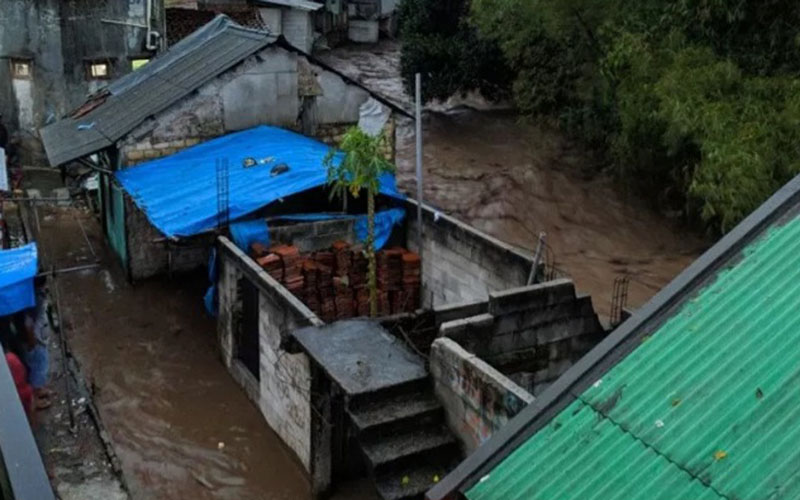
pixel 180 425
pixel 515 180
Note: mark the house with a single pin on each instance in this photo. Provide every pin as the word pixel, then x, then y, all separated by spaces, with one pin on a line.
pixel 222 79
pixel 694 396
pixel 53 54
pixel 353 398
pixel 303 23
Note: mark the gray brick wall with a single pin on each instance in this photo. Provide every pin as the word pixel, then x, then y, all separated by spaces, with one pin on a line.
pixel 460 263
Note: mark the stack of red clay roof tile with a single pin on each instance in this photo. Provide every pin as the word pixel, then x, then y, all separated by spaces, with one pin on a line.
pixel 258 250
pixel 358 268
pixel 333 283
pixel 390 269
pixel 412 275
pixel 292 267
pixel 362 301
pixel 327 305
pixel 310 292
pixel 272 264
pixel 342 258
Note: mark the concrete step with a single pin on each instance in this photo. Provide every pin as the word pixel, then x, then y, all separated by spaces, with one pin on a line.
pixel 429 444
pixel 417 386
pixel 396 413
pixel 409 484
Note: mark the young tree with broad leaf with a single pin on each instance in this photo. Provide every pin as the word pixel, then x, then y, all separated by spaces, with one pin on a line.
pixel 359 169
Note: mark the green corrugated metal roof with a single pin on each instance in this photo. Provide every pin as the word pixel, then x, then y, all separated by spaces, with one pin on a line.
pixel 707 406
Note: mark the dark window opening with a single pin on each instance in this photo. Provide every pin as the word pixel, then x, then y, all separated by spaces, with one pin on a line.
pixel 247 345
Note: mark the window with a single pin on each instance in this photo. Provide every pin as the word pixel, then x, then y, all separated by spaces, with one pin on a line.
pixel 98 70
pixel 21 68
pixel 138 63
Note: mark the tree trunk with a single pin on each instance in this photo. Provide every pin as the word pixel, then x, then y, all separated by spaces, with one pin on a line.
pixel 372 278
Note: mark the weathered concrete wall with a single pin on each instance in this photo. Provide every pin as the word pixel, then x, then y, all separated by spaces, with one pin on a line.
pixel 478 399
pixel 149 254
pixel 312 236
pixel 59 38
pixel 283 391
pixel 31 31
pixel 263 90
pixel 460 263
pixel 298 28
pixel 532 334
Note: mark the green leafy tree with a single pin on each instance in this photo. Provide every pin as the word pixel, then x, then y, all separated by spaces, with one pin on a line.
pixel 441 44
pixel 360 169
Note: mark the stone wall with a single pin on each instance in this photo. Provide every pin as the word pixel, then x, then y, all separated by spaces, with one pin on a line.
pixel 283 391
pixel 460 263
pixel 532 334
pixel 150 254
pixel 477 398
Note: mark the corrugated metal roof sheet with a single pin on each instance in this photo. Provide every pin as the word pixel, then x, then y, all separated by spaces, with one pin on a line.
pixel 705 407
pixel 295 4
pixel 133 98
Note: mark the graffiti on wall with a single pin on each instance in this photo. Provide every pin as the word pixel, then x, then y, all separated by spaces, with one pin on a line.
pixel 487 406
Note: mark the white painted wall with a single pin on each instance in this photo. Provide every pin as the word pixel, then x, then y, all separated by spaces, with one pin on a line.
pixel 285 382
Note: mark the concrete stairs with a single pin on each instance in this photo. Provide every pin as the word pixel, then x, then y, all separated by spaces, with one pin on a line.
pixel 404 440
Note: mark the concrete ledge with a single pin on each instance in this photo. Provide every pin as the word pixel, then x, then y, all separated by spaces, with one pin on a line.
pixel 266 283
pixel 466 326
pixel 540 295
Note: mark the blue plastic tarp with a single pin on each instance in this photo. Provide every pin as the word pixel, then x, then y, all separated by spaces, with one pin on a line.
pixel 179 193
pixel 246 233
pixel 18 267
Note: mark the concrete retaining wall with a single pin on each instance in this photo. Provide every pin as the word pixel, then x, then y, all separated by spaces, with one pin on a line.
pixel 478 399
pixel 532 334
pixel 460 263
pixel 283 391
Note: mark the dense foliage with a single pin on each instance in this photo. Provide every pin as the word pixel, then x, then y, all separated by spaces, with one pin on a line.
pixel 440 43
pixel 695 102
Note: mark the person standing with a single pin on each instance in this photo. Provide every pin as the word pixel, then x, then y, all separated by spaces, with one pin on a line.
pixel 20 376
pixel 37 333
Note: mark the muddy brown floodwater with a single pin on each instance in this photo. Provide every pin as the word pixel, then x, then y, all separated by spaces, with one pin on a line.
pixel 179 423
pixel 514 181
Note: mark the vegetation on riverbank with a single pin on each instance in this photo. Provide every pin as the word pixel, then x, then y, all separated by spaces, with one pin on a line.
pixel 693 102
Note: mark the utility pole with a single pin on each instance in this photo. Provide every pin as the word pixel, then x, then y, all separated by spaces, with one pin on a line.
pixel 418 136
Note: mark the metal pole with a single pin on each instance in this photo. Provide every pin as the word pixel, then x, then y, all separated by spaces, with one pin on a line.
pixel 537 256
pixel 418 135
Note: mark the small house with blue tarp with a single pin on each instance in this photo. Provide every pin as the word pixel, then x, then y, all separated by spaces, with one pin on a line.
pixel 195 98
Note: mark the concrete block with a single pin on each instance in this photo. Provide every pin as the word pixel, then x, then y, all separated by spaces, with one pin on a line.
pixel 34 194
pixel 541 294
pixel 459 310
pixel 466 327
pixel 151 153
pixel 135 155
